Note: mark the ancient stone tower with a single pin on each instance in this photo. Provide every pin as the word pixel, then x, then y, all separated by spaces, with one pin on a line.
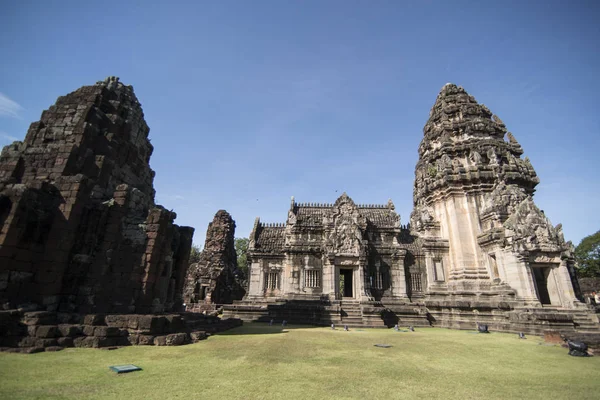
pixel 473 210
pixel 79 227
pixel 215 278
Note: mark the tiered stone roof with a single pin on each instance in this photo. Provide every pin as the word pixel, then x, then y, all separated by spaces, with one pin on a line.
pixel 270 237
pixel 464 149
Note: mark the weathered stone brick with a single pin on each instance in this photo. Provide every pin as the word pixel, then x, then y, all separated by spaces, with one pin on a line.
pixel 94 319
pixel 65 342
pixel 197 335
pixel 146 340
pixel 151 324
pixel 88 330
pixel 170 340
pixel 108 331
pixel 86 341
pixel 70 330
pixel 94 185
pixel 216 271
pixel 39 318
pixel 46 342
pixel 47 331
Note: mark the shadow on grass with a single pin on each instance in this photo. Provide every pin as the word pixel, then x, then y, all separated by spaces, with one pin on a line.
pixel 263 328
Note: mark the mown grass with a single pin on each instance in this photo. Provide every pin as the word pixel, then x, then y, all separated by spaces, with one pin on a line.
pixel 262 362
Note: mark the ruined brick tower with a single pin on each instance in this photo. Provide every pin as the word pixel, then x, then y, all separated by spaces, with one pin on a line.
pixel 79 229
pixel 214 279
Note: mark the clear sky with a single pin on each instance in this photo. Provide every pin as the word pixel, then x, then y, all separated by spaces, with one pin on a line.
pixel 251 102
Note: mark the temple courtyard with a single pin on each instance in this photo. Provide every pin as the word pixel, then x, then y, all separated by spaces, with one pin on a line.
pixel 257 361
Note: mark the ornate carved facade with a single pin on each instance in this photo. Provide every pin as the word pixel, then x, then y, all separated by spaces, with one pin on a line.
pixel 477 250
pixel 474 211
pixel 333 251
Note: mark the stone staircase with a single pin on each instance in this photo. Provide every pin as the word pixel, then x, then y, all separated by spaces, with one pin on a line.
pixel 350 314
pixel 586 322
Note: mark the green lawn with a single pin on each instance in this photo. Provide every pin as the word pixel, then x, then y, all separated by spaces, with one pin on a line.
pixel 257 361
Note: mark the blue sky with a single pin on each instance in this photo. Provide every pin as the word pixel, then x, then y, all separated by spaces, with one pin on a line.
pixel 251 102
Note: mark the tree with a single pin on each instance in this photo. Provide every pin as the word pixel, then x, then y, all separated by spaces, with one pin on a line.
pixel 195 254
pixel 587 256
pixel 241 249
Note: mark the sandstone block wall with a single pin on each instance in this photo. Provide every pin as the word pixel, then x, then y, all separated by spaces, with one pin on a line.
pixel 215 279
pixel 79 229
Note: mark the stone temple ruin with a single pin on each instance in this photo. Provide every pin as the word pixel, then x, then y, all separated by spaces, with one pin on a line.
pixel 82 242
pixel 88 259
pixel 215 278
pixel 477 250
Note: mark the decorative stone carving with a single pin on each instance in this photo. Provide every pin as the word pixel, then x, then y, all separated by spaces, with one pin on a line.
pixel 333 235
pixel 511 158
pixel 475 157
pixel 511 138
pixel 391 205
pixel 346 237
pixel 503 199
pixel 533 230
pixel 486 216
pixel 473 229
pixel 291 217
pixel 457 164
pixel 446 161
pixel 421 217
pixel 491 153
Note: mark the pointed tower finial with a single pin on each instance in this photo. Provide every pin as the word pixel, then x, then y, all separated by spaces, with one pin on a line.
pixel 391 205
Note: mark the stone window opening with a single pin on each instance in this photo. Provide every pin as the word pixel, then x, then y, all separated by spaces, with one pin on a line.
pixel 438 270
pixel 494 266
pixel 199 292
pixel 416 284
pixel 312 278
pixel 272 280
pixel 378 280
pixel 5 207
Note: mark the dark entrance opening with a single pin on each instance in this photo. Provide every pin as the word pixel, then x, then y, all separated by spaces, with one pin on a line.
pixel 346 283
pixel 541 283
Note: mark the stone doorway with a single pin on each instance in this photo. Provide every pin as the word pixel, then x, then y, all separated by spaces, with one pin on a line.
pixel 540 275
pixel 345 283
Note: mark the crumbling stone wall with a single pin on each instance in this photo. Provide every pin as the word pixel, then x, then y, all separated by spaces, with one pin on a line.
pixel 35 331
pixel 215 279
pixel 79 229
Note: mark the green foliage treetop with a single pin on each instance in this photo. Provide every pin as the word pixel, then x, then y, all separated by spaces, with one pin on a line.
pixel 587 256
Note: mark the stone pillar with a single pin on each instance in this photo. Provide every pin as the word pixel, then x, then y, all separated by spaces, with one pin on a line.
pixel 398 275
pixel 330 275
pixel 360 290
pixel 255 283
pixel 565 286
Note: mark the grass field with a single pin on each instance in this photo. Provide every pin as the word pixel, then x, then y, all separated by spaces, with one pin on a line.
pixel 261 362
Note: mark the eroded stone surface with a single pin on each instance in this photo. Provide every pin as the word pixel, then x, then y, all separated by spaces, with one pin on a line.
pixel 79 229
pixel 109 330
pixel 215 279
pixel 85 253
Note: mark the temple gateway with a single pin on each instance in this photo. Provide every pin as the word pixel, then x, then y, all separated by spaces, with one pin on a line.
pixel 477 248
pixel 333 251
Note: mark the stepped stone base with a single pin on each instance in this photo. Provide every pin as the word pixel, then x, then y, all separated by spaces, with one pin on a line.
pixel 500 316
pixel 35 331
